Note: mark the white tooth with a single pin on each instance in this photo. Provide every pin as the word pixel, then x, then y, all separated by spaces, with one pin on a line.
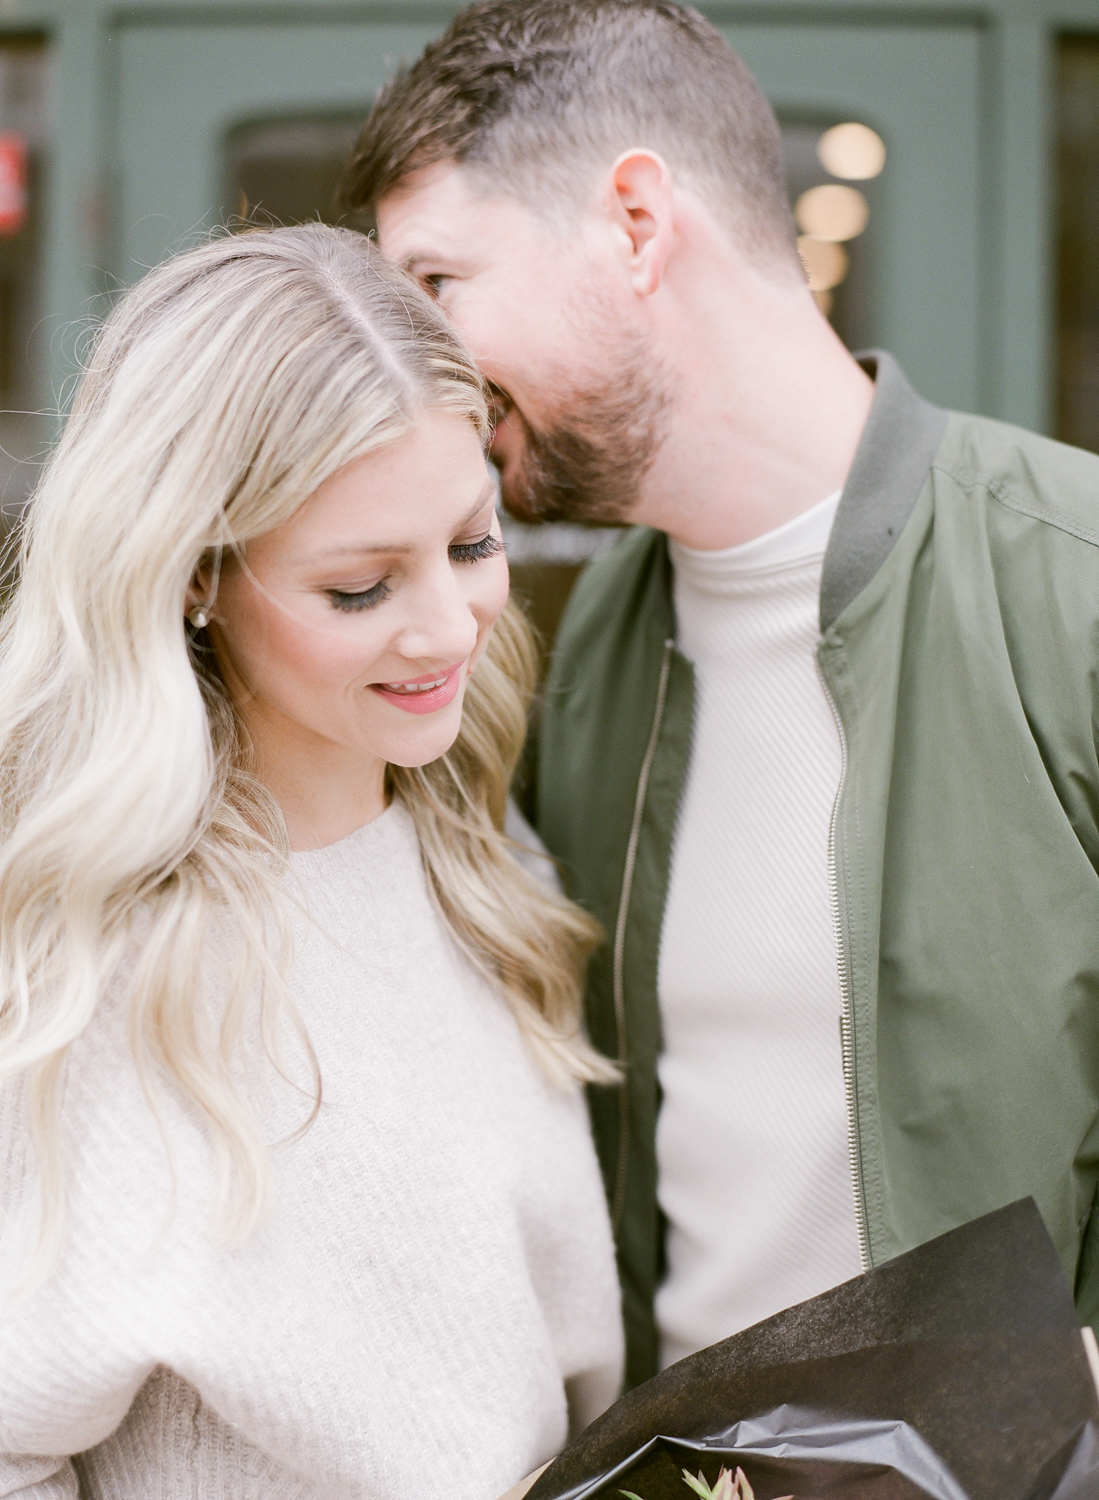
pixel 414 687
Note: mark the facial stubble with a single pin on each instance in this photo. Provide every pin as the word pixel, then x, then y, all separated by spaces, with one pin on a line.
pixel 588 465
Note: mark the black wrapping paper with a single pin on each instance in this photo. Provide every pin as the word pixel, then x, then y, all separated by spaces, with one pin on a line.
pixel 955 1372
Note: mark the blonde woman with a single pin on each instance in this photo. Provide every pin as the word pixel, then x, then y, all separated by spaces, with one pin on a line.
pixel 296 1192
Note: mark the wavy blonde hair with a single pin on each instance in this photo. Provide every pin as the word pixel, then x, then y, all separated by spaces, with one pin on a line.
pixel 220 393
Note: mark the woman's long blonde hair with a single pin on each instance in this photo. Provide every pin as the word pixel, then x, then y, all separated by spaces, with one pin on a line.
pixel 219 394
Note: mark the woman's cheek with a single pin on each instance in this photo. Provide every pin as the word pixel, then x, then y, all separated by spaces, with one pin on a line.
pixel 324 649
pixel 492 596
pixel 499 589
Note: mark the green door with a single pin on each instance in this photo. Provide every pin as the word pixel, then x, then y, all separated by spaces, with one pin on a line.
pixel 184 91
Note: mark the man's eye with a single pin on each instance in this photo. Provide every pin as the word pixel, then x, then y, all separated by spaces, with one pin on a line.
pixel 367 599
pixel 488 546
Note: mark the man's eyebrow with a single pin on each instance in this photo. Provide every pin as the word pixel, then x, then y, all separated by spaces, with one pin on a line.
pixel 362 549
pixel 417 256
pixel 438 256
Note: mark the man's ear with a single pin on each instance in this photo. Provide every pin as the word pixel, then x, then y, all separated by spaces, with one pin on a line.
pixel 639 198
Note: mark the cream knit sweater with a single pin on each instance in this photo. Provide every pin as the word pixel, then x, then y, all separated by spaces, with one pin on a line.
pixel 434 1283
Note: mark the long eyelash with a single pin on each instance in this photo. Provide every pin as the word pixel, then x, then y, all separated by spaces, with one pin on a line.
pixel 366 600
pixel 488 546
pixel 464 552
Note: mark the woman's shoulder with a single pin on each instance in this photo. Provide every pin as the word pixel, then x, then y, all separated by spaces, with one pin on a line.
pixel 132 1153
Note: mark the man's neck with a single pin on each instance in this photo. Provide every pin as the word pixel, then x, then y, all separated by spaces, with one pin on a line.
pixel 769 413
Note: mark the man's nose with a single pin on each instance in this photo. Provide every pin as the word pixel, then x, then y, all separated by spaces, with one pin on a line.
pixel 507 438
pixel 499 404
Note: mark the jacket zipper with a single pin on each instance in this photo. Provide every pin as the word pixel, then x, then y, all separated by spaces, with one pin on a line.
pixel 847 1015
pixel 620 942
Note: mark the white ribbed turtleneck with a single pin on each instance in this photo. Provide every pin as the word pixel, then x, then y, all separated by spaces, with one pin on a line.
pixel 752 1138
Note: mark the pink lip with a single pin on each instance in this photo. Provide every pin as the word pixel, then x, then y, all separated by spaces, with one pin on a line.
pixel 424 703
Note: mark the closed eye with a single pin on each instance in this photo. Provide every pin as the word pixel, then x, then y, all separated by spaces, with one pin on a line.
pixel 367 599
pixel 468 552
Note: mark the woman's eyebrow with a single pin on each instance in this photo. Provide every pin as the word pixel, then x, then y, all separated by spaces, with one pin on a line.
pixel 363 548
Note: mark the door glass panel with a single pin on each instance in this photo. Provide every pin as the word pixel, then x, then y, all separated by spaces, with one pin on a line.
pixel 287 171
pixel 25 124
pixel 839 262
pixel 1078 241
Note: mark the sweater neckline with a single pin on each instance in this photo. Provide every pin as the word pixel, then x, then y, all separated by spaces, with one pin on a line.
pixel 801 540
pixel 388 830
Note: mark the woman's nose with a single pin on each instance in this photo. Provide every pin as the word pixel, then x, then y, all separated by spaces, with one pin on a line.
pixel 441 626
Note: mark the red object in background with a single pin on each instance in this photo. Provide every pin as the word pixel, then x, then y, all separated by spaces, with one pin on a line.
pixel 13 183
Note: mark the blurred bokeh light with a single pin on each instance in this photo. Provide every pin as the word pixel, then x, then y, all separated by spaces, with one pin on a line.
pixel 852 151
pixel 825 262
pixel 832 212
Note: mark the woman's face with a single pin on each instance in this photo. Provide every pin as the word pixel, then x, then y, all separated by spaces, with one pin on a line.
pixel 349 632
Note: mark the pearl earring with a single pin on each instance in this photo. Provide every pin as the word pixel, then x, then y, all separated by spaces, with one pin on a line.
pixel 199 614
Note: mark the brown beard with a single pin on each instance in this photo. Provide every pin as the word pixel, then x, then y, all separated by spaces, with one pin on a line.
pixel 589 465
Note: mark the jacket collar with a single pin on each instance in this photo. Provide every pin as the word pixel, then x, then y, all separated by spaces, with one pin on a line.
pixel 898 444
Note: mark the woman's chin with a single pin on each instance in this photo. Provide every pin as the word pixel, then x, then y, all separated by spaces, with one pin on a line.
pixel 428 741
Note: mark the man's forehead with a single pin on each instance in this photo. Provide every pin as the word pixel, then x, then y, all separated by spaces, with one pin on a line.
pixel 428 206
pixel 447 210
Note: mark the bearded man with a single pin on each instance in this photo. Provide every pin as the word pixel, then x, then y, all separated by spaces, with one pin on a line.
pixel 819 740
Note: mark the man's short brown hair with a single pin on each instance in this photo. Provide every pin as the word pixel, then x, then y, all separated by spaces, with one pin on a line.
pixel 530 93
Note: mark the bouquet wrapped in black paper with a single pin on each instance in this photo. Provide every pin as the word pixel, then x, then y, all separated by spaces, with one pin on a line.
pixel 956 1372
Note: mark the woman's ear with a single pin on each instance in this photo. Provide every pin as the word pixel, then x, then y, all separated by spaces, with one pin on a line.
pixel 198 603
pixel 198 590
pixel 639 197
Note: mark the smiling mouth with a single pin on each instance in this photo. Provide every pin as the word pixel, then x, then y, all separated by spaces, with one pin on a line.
pixel 415 687
pixel 423 695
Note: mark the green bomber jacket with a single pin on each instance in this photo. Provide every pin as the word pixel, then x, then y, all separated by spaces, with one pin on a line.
pixel 959 619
